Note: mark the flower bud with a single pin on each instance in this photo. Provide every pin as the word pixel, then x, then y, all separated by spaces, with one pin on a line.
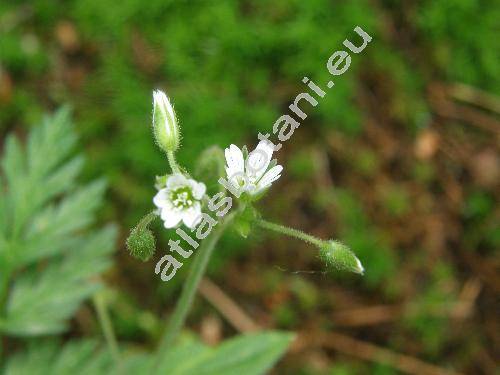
pixel 165 126
pixel 141 244
pixel 339 256
pixel 141 241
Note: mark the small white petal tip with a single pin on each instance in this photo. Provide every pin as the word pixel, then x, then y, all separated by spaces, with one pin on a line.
pixel 359 267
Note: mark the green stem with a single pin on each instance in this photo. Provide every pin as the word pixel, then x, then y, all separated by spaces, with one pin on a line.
pixel 5 273
pixel 190 287
pixel 4 283
pixel 290 232
pixel 172 162
pixel 146 220
pixel 107 327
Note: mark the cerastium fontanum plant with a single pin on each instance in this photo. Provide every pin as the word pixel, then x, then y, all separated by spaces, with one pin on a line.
pixel 50 264
pixel 183 201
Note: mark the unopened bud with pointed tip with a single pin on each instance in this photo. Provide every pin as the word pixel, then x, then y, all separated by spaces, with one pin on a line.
pixel 337 255
pixel 165 125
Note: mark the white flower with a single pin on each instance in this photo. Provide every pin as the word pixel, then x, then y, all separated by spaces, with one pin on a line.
pixel 165 126
pixel 251 175
pixel 180 201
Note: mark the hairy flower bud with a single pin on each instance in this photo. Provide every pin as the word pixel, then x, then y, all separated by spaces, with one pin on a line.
pixel 339 256
pixel 141 244
pixel 165 126
pixel 141 241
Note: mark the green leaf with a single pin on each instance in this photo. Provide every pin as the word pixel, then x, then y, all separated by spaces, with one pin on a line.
pixel 77 357
pixel 49 260
pixel 35 175
pixel 13 167
pixel 54 130
pixel 249 354
pixel 41 302
pixel 51 228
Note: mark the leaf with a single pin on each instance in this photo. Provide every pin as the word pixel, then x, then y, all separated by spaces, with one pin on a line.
pixel 75 358
pixel 182 356
pixel 51 228
pixel 248 354
pixel 14 172
pixel 41 303
pixel 63 178
pixel 32 175
pixel 48 258
pixel 54 130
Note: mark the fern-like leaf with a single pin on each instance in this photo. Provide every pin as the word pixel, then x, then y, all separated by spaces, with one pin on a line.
pixel 48 260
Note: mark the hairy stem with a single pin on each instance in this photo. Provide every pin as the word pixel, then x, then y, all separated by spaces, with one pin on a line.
pixel 290 232
pixel 185 301
pixel 173 162
pixel 146 220
pixel 107 327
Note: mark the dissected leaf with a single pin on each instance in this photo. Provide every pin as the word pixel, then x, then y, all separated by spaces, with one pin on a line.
pixel 52 227
pixel 47 256
pixel 41 302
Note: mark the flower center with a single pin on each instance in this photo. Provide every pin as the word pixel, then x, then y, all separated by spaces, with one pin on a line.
pixel 182 197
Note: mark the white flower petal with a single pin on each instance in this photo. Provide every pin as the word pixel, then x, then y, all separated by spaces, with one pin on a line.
pixel 161 198
pixel 359 266
pixel 192 216
pixel 272 175
pixel 163 102
pixel 251 189
pixel 176 180
pixel 198 189
pixel 267 147
pixel 235 177
pixel 158 102
pixel 259 160
pixel 172 214
pixel 234 160
pixel 170 217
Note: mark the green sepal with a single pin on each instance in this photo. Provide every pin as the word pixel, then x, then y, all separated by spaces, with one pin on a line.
pixel 161 182
pixel 243 224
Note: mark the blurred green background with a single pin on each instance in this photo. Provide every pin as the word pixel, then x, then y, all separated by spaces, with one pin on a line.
pixel 400 161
